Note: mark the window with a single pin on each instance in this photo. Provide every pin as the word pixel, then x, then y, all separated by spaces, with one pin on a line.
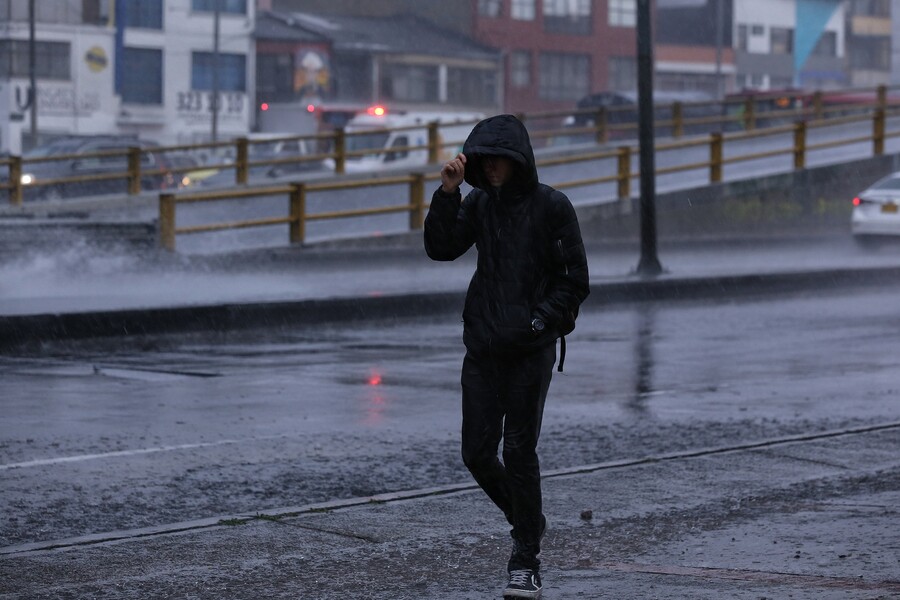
pixel 142 76
pixel 782 40
pixel 145 14
pixel 238 7
pixel 51 59
pixel 401 141
pixel 622 73
pixel 871 8
pixel 275 77
pixel 410 83
pixel 622 13
pixel 827 44
pixel 758 30
pixel 568 16
pixel 520 69
pixel 523 10
pixel 871 53
pixel 232 72
pixel 564 76
pixel 490 8
pixel 474 87
pixel 742 38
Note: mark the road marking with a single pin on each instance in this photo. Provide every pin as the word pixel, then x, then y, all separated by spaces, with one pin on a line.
pixel 771 577
pixel 43 462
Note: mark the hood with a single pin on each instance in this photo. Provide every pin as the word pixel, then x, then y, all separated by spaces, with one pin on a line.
pixel 502 135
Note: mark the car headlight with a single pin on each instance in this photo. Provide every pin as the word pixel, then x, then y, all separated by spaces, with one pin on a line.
pixel 26 179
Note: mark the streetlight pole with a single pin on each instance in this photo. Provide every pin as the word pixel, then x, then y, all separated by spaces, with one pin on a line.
pixel 32 76
pixel 649 265
pixel 214 101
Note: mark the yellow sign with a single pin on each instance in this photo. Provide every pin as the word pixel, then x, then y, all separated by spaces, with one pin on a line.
pixel 96 59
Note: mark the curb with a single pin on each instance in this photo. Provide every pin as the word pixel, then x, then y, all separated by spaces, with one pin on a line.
pixel 19 330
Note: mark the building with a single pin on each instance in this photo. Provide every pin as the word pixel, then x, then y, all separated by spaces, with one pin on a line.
pixel 126 67
pixel 74 71
pixel 693 49
pixel 553 52
pixel 869 33
pixel 772 53
pixel 403 61
pixel 166 71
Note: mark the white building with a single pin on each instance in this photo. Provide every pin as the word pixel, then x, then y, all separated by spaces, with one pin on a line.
pixel 764 42
pixel 166 71
pixel 127 67
pixel 74 70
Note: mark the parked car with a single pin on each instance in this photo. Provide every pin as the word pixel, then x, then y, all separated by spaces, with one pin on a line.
pixel 876 211
pixel 79 161
pixel 270 146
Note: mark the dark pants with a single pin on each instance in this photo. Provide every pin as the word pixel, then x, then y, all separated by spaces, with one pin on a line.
pixel 503 396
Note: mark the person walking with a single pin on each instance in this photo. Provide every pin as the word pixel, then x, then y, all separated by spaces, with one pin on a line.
pixel 530 280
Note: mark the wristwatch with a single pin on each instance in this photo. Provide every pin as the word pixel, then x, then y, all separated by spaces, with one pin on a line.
pixel 537 325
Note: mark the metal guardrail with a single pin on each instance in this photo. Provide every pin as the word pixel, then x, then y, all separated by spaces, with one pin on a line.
pixel 333 145
pixel 416 205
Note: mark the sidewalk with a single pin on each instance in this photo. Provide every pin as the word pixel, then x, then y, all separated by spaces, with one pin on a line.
pixel 780 519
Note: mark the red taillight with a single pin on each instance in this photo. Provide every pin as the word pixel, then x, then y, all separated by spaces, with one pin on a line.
pixel 264 106
pixel 310 108
pixel 857 201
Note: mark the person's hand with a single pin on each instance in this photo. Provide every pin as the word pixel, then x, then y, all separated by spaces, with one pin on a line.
pixel 453 173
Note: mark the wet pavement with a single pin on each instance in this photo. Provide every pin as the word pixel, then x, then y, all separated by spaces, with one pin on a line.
pixel 739 444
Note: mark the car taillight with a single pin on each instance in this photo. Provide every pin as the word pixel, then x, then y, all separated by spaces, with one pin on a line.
pixel 857 201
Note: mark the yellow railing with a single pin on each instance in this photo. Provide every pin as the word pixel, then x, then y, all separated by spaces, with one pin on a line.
pixel 416 204
pixel 334 145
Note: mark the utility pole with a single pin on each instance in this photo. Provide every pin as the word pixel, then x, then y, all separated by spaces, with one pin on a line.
pixel 32 76
pixel 720 34
pixel 649 265
pixel 214 100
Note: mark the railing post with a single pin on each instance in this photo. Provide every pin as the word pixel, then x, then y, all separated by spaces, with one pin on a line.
pixel 134 170
pixel 167 221
pixel 799 145
pixel 882 96
pixel 298 213
pixel 15 180
pixel 677 120
pixel 600 125
pixel 749 114
pixel 818 111
pixel 878 123
pixel 433 143
pixel 417 201
pixel 715 157
pixel 623 178
pixel 340 149
pixel 242 155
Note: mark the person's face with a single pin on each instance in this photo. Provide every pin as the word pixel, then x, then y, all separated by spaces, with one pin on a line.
pixel 497 169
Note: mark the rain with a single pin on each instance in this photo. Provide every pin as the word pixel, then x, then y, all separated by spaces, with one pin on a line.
pixel 230 370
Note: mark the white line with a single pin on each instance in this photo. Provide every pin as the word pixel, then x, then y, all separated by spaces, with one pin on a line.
pixel 83 457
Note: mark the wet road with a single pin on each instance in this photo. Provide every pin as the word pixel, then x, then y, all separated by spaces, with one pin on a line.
pixel 103 436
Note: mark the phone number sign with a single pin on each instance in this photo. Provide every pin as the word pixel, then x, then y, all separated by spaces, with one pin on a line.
pixel 198 106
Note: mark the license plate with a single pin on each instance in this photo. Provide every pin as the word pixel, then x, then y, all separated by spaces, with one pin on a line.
pixel 890 207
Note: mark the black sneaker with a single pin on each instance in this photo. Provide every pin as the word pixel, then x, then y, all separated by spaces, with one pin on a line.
pixel 523 583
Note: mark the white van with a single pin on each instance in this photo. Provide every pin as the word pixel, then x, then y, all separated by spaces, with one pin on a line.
pixel 373 131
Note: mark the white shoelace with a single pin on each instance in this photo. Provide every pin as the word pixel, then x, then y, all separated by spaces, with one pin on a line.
pixel 520 577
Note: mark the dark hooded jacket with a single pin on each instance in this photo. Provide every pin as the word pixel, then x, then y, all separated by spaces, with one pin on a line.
pixel 531 259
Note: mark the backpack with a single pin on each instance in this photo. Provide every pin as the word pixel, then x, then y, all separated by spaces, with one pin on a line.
pixel 567 324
